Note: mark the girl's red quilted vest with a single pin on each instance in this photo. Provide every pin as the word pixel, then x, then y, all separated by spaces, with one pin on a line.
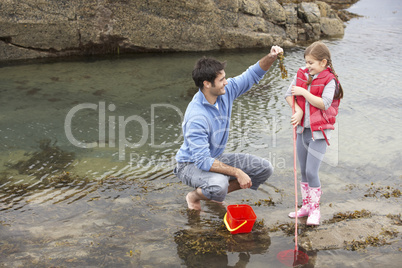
pixel 319 119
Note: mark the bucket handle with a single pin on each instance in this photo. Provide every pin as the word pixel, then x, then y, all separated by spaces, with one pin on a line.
pixel 227 224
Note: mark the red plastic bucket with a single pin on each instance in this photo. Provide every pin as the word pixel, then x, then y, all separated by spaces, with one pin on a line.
pixel 239 219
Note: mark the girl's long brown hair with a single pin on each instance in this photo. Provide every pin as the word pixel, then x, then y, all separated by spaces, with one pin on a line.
pixel 319 51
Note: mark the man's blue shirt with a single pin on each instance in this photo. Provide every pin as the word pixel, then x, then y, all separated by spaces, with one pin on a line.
pixel 206 126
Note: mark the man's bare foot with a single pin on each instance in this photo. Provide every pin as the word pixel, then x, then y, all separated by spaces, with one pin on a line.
pixel 193 202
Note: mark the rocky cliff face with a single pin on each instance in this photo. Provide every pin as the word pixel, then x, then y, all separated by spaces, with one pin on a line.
pixel 50 28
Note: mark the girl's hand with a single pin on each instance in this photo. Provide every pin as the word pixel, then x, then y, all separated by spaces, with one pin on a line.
pixel 298 91
pixel 296 118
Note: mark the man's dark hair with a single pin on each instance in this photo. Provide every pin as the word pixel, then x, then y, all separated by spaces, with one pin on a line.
pixel 206 69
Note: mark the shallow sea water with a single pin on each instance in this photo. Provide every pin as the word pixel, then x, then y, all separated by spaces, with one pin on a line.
pixel 116 202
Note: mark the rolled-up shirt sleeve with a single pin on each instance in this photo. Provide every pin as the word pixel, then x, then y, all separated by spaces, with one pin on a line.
pixel 328 94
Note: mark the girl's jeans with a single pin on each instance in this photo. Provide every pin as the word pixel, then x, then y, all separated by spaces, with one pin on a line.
pixel 310 154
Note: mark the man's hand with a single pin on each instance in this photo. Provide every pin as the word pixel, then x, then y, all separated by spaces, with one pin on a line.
pixel 275 50
pixel 243 179
pixel 266 62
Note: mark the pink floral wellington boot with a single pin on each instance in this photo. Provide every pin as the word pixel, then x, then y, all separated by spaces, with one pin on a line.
pixel 315 214
pixel 304 210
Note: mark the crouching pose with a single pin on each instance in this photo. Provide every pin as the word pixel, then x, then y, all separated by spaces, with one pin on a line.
pixel 201 162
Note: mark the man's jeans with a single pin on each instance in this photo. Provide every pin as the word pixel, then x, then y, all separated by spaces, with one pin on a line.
pixel 214 186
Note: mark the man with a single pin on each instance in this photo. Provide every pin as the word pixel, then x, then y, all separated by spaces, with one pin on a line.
pixel 201 162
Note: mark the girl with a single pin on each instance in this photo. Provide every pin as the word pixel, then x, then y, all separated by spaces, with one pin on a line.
pixel 318 93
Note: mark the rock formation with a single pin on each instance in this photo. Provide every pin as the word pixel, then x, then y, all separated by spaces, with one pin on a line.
pixel 51 28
